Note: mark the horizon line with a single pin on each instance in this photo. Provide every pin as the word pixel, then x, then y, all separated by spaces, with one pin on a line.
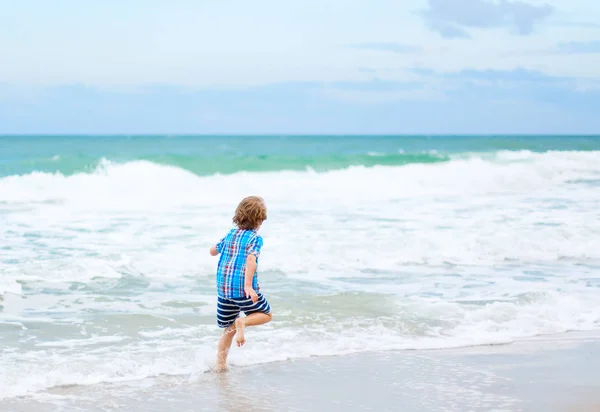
pixel 422 134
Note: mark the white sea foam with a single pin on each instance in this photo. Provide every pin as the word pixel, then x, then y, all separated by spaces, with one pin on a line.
pixel 105 276
pixel 72 343
pixel 9 286
pixel 145 181
pixel 189 353
pixel 464 211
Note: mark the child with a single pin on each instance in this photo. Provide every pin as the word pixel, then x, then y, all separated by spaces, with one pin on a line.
pixel 237 283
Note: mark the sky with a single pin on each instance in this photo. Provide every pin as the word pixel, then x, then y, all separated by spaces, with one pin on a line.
pixel 302 67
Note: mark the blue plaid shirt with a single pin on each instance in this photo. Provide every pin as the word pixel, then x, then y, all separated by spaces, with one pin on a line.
pixel 234 248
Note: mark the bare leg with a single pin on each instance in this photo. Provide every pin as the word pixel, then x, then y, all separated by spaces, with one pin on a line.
pixel 224 345
pixel 253 319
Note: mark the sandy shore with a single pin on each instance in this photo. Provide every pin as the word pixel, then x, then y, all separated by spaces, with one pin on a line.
pixel 551 374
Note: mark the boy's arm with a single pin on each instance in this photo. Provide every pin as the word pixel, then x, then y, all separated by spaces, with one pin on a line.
pixel 218 248
pixel 248 275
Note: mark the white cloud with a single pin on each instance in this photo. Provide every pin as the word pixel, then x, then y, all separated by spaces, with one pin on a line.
pixel 236 42
pixel 451 17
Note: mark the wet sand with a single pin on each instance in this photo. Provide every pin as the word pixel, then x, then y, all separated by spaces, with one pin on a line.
pixel 561 373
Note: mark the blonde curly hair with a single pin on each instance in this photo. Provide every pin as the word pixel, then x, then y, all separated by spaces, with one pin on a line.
pixel 250 213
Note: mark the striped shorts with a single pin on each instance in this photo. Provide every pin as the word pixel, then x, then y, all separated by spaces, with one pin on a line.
pixel 228 309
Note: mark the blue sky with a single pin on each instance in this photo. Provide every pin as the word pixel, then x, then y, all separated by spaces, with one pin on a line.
pixel 340 66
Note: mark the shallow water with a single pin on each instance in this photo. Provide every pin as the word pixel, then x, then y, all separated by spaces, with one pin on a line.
pixel 105 274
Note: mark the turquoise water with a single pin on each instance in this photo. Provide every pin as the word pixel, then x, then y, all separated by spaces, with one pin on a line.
pixel 205 155
pixel 373 243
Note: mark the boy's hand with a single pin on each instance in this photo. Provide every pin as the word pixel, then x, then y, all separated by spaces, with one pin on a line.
pixel 250 293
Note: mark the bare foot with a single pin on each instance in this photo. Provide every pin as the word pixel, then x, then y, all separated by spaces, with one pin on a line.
pixel 220 368
pixel 240 325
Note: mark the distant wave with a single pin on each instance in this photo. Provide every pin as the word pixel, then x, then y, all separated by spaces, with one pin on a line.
pixel 205 165
pixel 225 165
pixel 416 173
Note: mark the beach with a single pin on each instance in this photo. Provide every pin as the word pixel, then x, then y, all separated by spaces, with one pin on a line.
pixel 404 272
pixel 558 373
pixel 402 196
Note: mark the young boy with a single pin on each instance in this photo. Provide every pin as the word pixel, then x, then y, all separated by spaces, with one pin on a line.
pixel 237 282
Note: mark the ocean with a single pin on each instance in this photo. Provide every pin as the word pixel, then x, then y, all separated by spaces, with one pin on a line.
pixel 372 243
